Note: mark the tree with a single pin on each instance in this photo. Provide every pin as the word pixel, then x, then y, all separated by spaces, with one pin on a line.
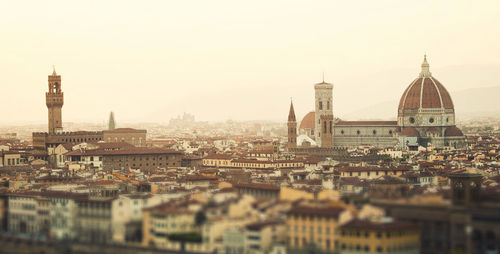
pixel 200 218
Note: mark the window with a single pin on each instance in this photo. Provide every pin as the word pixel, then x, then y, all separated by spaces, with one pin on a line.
pixel 358 132
pixel 374 132
pixel 431 120
pixel 390 132
pixel 412 120
pixel 342 132
pixel 320 105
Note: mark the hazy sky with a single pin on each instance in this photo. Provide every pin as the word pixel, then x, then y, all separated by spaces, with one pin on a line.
pixel 152 60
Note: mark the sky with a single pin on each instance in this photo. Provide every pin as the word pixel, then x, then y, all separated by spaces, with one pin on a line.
pixel 149 61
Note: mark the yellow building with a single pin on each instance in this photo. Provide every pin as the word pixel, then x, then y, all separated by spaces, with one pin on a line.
pixel 10 158
pixel 372 172
pixel 160 221
pixel 217 160
pixel 364 236
pixel 292 194
pixel 315 228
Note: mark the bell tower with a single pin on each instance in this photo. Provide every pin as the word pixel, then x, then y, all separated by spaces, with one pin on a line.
pixel 292 128
pixel 326 131
pixel 54 99
pixel 324 113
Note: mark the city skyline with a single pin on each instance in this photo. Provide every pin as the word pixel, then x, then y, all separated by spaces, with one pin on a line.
pixel 189 59
pixel 250 127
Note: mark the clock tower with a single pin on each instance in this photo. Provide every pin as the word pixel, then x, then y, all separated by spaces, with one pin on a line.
pixel 54 99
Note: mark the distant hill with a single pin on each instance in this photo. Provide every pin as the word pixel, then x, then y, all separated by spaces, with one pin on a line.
pixel 482 101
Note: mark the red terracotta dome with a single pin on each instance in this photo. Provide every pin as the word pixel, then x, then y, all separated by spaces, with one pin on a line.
pixel 453 131
pixel 409 132
pixel 425 92
pixel 308 122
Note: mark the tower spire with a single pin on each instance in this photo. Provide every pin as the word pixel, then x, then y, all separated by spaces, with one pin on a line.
pixel 111 122
pixel 425 68
pixel 291 113
pixel 54 70
pixel 292 127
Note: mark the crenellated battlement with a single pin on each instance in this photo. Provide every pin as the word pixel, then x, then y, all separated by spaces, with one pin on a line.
pixel 67 133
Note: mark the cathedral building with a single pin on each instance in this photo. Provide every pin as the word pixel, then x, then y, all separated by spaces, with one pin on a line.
pixel 426 117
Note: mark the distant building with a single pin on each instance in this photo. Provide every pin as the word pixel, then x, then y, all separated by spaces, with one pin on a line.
pixel 111 122
pixel 127 158
pixel 426 117
pixel 314 229
pixel 364 236
pixel 470 224
pixel 55 135
pixel 132 136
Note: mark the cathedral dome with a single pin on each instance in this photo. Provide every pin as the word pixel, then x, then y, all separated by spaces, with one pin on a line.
pixel 409 132
pixel 425 92
pixel 453 131
pixel 308 122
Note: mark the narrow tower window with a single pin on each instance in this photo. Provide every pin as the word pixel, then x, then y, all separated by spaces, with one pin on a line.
pixel 328 105
pixel 320 105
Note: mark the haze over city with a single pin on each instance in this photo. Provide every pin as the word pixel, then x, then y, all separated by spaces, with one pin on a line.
pixel 250 127
pixel 239 60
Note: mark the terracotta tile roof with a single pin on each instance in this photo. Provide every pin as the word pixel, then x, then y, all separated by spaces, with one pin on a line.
pixel 316 211
pixel 409 132
pixel 425 92
pixel 120 130
pixel 367 123
pixel 453 131
pixel 219 156
pixel 125 151
pixel 260 186
pixel 368 225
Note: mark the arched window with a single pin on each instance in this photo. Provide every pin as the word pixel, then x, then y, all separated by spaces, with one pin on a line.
pixel 320 105
pixel 328 105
